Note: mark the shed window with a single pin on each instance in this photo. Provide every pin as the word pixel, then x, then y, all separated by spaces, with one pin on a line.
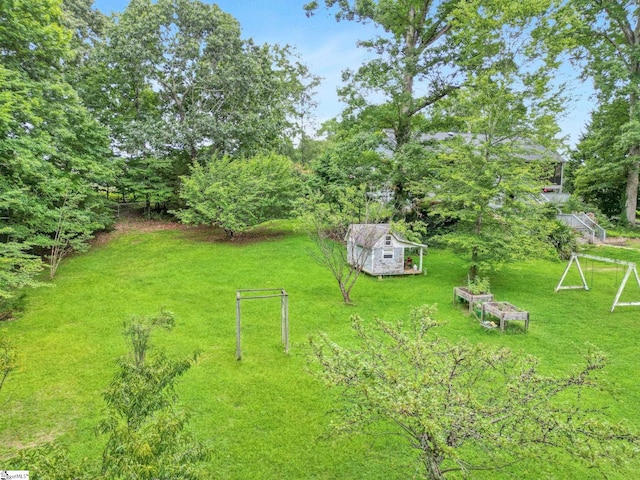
pixel 387 242
pixel 387 253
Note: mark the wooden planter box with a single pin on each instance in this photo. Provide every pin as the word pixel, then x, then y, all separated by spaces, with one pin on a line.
pixel 465 294
pixel 504 311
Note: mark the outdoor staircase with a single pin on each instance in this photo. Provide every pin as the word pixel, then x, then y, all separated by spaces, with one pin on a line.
pixel 582 223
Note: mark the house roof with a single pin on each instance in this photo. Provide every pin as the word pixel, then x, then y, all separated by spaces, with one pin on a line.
pixel 530 151
pixel 368 234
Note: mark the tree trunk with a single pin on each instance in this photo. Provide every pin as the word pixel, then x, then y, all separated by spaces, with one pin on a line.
pixel 473 270
pixel 631 203
pixel 403 130
pixel 147 207
pixel 434 472
pixel 432 465
pixel 345 293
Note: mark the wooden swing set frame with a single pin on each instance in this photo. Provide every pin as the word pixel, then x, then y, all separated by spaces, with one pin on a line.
pixel 631 268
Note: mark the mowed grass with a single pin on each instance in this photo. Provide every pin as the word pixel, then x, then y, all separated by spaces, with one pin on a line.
pixel 267 416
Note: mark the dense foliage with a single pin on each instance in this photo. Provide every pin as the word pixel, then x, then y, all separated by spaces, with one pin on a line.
pixel 95 106
pixel 464 407
pixel 236 195
pixel 51 148
pixel 601 38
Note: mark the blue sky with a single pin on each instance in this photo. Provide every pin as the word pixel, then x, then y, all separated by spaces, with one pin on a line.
pixel 328 47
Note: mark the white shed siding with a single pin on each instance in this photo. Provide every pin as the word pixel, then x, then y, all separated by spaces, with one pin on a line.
pixel 382 241
pixel 388 266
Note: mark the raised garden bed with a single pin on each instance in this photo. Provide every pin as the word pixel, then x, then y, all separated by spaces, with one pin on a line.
pixel 465 294
pixel 503 311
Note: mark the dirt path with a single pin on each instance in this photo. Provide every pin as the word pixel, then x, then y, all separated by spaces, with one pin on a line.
pixel 132 222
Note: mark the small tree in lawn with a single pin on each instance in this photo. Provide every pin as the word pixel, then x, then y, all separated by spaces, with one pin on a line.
pixel 328 223
pixel 73 230
pixel 144 425
pixel 8 360
pixel 238 194
pixel 466 407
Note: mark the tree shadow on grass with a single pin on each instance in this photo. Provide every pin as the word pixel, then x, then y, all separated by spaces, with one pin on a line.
pixel 208 234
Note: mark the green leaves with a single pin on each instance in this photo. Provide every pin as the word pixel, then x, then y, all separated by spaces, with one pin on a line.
pixel 50 146
pixel 602 40
pixel 18 268
pixel 238 194
pixel 452 401
pixel 487 181
pixel 145 426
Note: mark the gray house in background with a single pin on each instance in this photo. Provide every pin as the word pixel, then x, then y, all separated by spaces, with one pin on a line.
pixel 552 190
pixel 530 152
pixel 378 250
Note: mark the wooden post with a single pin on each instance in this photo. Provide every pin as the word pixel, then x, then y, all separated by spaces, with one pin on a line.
pixel 238 348
pixel 585 286
pixel 285 299
pixel 284 315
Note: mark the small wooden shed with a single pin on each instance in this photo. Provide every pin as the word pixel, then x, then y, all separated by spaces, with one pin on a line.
pixel 378 250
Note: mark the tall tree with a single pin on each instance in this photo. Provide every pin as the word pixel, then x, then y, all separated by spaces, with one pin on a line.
pixel 601 175
pixel 603 39
pixel 184 86
pixel 465 407
pixel 415 50
pixel 424 53
pixel 50 146
pixel 488 180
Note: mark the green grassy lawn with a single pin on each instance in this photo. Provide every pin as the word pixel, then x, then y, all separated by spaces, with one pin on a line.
pixel 265 417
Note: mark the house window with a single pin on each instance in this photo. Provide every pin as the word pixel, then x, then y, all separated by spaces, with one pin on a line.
pixel 387 253
pixel 387 241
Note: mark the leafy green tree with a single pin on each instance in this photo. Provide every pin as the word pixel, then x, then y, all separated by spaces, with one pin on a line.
pixel 238 194
pixel 465 407
pixel 145 428
pixel 488 181
pixel 602 39
pixel 601 177
pixel 50 145
pixel 87 26
pixel 181 85
pixel 349 162
pixel 425 51
pixel 415 48
pixel 18 269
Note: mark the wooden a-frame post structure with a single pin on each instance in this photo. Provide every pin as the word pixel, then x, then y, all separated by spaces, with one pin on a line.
pixel 631 268
pixel 284 308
